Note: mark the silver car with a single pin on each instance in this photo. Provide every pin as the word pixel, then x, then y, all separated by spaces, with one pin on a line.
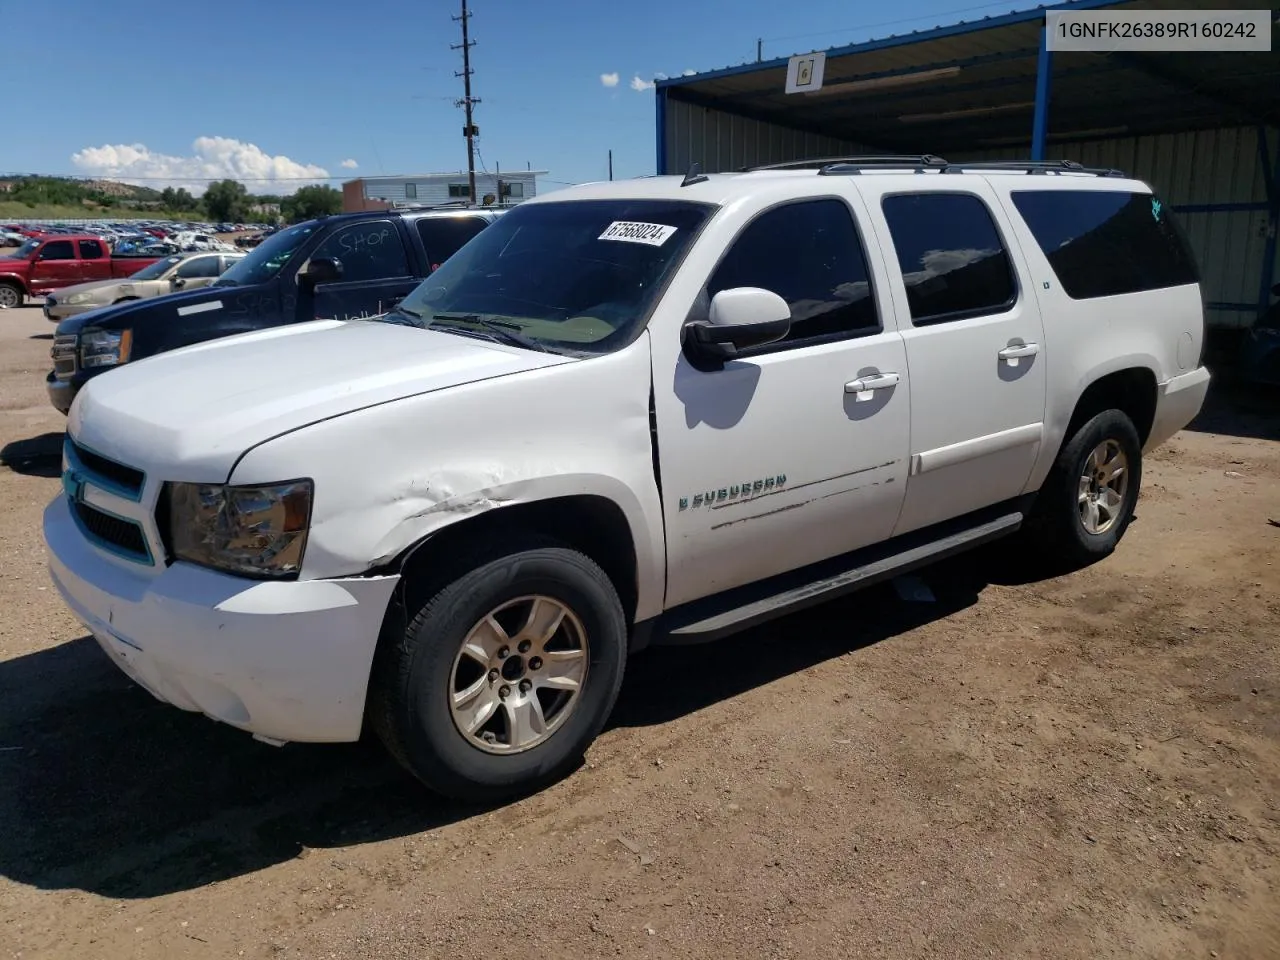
pixel 179 271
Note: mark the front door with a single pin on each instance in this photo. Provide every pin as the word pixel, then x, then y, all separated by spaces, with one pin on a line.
pixel 779 460
pixel 376 273
pixel 974 343
pixel 56 266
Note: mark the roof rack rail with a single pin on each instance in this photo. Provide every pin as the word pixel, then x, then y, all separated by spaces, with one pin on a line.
pixel 869 160
pixel 1033 167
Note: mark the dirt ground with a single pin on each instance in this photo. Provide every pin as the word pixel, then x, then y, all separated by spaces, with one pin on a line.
pixel 1083 766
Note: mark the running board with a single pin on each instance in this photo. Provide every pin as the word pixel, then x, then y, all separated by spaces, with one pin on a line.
pixel 711 619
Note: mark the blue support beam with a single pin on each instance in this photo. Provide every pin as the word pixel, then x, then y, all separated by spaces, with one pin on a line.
pixel 660 110
pixel 1271 174
pixel 1040 122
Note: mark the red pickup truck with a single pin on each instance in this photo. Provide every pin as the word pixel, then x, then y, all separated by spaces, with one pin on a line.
pixel 47 263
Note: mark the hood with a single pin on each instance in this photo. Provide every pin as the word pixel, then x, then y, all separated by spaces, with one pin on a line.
pixel 62 293
pixel 120 316
pixel 190 414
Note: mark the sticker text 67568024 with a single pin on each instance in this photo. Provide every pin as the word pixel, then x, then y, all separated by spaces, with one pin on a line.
pixel 653 234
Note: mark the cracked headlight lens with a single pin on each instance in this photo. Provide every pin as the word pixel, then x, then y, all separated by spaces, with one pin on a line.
pixel 251 531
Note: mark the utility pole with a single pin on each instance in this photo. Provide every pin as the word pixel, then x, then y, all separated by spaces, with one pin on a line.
pixel 759 50
pixel 467 101
pixel 610 164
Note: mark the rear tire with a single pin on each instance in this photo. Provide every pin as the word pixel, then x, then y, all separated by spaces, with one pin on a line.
pixel 11 296
pixel 451 703
pixel 1087 501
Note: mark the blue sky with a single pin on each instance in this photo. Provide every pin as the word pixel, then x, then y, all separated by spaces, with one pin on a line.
pixel 292 89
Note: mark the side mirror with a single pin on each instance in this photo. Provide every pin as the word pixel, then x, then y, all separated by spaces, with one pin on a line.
pixel 738 319
pixel 322 270
pixel 178 283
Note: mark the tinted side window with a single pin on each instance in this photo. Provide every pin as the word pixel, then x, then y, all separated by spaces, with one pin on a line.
pixel 90 249
pixel 368 251
pixel 199 267
pixel 444 236
pixel 1104 243
pixel 953 262
pixel 809 254
pixel 58 250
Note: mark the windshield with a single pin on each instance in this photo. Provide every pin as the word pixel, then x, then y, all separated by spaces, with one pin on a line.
pixel 155 270
pixel 26 249
pixel 578 275
pixel 268 258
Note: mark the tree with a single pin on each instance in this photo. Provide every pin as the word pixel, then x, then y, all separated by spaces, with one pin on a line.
pixel 311 202
pixel 227 200
pixel 177 200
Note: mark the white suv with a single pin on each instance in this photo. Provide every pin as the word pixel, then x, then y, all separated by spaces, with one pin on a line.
pixel 630 412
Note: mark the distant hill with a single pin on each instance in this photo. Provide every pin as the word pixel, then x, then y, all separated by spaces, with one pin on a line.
pixel 66 191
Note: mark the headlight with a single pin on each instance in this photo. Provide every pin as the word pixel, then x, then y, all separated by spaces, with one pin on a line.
pixel 104 348
pixel 79 298
pixel 249 531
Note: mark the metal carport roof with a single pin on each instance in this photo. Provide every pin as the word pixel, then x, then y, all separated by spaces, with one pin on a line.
pixel 972 86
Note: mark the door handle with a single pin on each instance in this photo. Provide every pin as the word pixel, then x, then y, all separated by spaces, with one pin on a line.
pixel 1019 350
pixel 875 381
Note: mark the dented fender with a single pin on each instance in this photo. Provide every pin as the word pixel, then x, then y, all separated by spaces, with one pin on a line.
pixel 389 476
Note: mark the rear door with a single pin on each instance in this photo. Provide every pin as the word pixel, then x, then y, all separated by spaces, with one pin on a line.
pixel 376 272
pixel 974 341
pixel 56 265
pixel 442 237
pixel 196 272
pixel 94 263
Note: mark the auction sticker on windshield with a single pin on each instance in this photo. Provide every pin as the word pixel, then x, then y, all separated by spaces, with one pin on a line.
pixel 654 234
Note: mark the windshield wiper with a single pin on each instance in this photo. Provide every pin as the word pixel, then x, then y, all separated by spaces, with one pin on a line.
pixel 503 331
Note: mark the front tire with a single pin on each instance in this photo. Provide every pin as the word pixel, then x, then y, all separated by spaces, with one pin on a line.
pixel 505 675
pixel 11 296
pixel 1088 498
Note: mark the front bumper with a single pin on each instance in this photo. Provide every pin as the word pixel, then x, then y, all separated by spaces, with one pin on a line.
pixel 1177 403
pixel 61 392
pixel 60 311
pixel 283 660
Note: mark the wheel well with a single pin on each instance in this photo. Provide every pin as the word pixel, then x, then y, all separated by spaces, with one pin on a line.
pixel 125 299
pixel 593 525
pixel 1132 391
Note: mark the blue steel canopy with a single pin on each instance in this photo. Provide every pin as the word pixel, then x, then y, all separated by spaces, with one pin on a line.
pixel 973 86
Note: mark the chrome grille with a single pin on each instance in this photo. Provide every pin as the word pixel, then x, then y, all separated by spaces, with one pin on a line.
pixel 64 356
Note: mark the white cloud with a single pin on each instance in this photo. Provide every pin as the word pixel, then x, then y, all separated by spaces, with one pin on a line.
pixel 690 73
pixel 659 76
pixel 609 79
pixel 937 263
pixel 349 164
pixel 639 86
pixel 212 158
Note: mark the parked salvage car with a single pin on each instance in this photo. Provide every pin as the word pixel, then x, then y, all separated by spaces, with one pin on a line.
pixel 349 265
pixel 657 410
pixel 54 261
pixel 183 271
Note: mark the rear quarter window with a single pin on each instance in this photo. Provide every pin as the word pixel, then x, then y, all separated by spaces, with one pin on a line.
pixel 1106 243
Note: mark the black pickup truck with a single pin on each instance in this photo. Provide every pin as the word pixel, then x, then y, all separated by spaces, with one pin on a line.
pixel 340 267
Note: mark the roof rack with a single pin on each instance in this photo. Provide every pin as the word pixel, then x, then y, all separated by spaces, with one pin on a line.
pixel 842 166
pixel 868 160
pixel 397 207
pixel 1034 166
